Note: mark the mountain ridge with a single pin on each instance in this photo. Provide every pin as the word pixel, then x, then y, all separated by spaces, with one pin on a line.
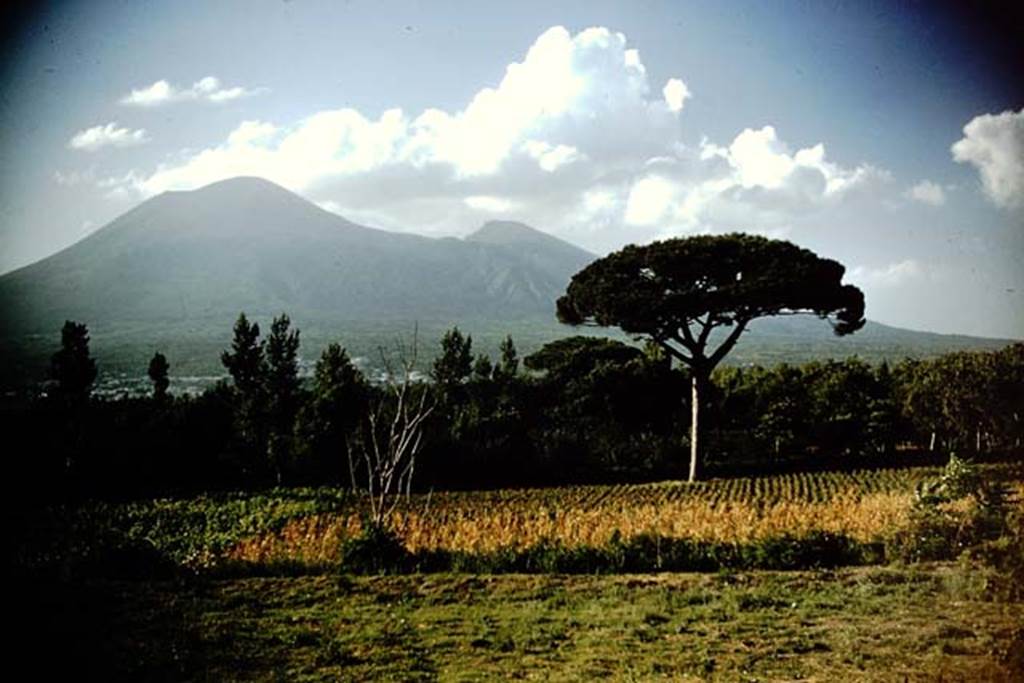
pixel 253 245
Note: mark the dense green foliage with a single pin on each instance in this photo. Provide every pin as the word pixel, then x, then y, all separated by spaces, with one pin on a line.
pixel 941 530
pixel 587 409
pixel 591 409
pixel 328 423
pixel 72 368
pixel 724 280
pixel 157 373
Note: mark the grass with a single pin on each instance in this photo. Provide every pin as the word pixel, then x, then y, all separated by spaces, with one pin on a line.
pixel 918 623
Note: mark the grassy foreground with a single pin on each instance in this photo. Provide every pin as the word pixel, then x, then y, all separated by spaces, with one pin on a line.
pixel 923 623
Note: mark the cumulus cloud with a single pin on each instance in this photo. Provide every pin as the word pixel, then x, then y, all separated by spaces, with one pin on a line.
pixel 206 89
pixel 572 139
pixel 754 184
pixel 109 135
pixel 994 144
pixel 927 192
pixel 890 275
pixel 572 98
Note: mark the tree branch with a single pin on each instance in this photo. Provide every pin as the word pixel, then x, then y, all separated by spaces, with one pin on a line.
pixel 673 351
pixel 727 345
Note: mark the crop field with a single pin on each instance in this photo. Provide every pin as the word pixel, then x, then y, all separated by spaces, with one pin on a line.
pixel 305 528
pixel 865 506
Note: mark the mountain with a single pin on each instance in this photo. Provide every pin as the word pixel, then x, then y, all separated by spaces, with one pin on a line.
pixel 174 272
pixel 247 244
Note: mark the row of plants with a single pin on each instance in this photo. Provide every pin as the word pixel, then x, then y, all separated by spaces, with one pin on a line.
pixel 964 510
pixel 959 513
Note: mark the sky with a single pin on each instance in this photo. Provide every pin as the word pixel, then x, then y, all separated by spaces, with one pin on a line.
pixel 886 135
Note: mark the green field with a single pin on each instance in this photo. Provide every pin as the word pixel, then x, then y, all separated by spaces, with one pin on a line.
pixel 923 623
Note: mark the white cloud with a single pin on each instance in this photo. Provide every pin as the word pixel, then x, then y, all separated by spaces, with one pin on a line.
pixel 760 159
pixel 571 98
pixel 927 192
pixel 205 89
pixel 648 201
pixel 754 184
pixel 332 206
pixel 890 275
pixel 994 144
pixel 158 93
pixel 75 178
pixel 489 203
pixel 109 135
pixel 549 157
pixel 572 139
pixel 120 187
pixel 675 93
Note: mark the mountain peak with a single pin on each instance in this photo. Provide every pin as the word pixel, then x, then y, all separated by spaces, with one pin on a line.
pixel 250 182
pixel 243 188
pixel 513 233
pixel 506 232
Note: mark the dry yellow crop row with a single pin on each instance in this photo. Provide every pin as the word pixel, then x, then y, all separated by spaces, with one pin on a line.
pixel 586 516
pixel 480 529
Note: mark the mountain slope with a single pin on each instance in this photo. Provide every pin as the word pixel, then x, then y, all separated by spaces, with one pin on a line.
pixel 247 244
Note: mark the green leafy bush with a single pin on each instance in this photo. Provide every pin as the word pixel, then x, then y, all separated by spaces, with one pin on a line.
pixel 654 553
pixel 376 550
pixel 959 510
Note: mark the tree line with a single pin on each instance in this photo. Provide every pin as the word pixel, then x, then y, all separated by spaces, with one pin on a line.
pixel 581 409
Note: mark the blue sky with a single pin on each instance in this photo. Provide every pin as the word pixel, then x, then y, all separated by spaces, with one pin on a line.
pixel 889 136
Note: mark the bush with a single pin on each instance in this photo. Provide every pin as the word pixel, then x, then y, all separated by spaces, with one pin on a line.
pixel 645 553
pixel 114 555
pixel 376 550
pixel 952 514
pixel 817 550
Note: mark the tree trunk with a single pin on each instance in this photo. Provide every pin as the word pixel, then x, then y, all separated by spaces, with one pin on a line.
pixel 698 383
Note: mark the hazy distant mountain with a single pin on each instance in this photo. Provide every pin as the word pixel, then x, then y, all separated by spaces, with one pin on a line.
pixel 173 274
pixel 247 244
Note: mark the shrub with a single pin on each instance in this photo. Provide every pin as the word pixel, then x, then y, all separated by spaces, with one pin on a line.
pixel 376 550
pixel 817 550
pixel 653 553
pixel 951 514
